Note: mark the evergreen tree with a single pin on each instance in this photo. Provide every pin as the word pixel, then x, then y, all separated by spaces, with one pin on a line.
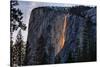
pixel 16 17
pixel 16 22
pixel 19 50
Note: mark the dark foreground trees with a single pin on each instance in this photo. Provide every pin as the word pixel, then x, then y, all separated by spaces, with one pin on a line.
pixel 18 50
pixel 16 22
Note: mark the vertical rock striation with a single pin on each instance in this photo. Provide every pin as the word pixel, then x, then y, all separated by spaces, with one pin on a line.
pixel 59 35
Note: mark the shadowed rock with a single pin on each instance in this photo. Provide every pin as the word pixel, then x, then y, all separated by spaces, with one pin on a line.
pixel 56 35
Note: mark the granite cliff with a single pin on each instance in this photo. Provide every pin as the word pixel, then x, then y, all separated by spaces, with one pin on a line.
pixel 61 35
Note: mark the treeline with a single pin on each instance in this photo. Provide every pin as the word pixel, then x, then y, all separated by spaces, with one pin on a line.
pixel 17 49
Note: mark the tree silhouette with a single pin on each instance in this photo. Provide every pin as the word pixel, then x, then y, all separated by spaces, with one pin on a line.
pixel 16 22
pixel 16 17
pixel 18 51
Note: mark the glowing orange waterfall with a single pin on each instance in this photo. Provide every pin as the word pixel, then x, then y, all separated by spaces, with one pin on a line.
pixel 62 36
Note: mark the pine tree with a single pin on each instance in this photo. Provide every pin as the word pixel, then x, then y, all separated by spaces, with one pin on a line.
pixel 16 17
pixel 19 50
pixel 16 22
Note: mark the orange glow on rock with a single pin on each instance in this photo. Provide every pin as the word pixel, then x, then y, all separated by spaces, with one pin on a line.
pixel 62 36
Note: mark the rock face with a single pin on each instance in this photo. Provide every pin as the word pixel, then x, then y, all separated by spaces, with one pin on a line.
pixel 61 35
